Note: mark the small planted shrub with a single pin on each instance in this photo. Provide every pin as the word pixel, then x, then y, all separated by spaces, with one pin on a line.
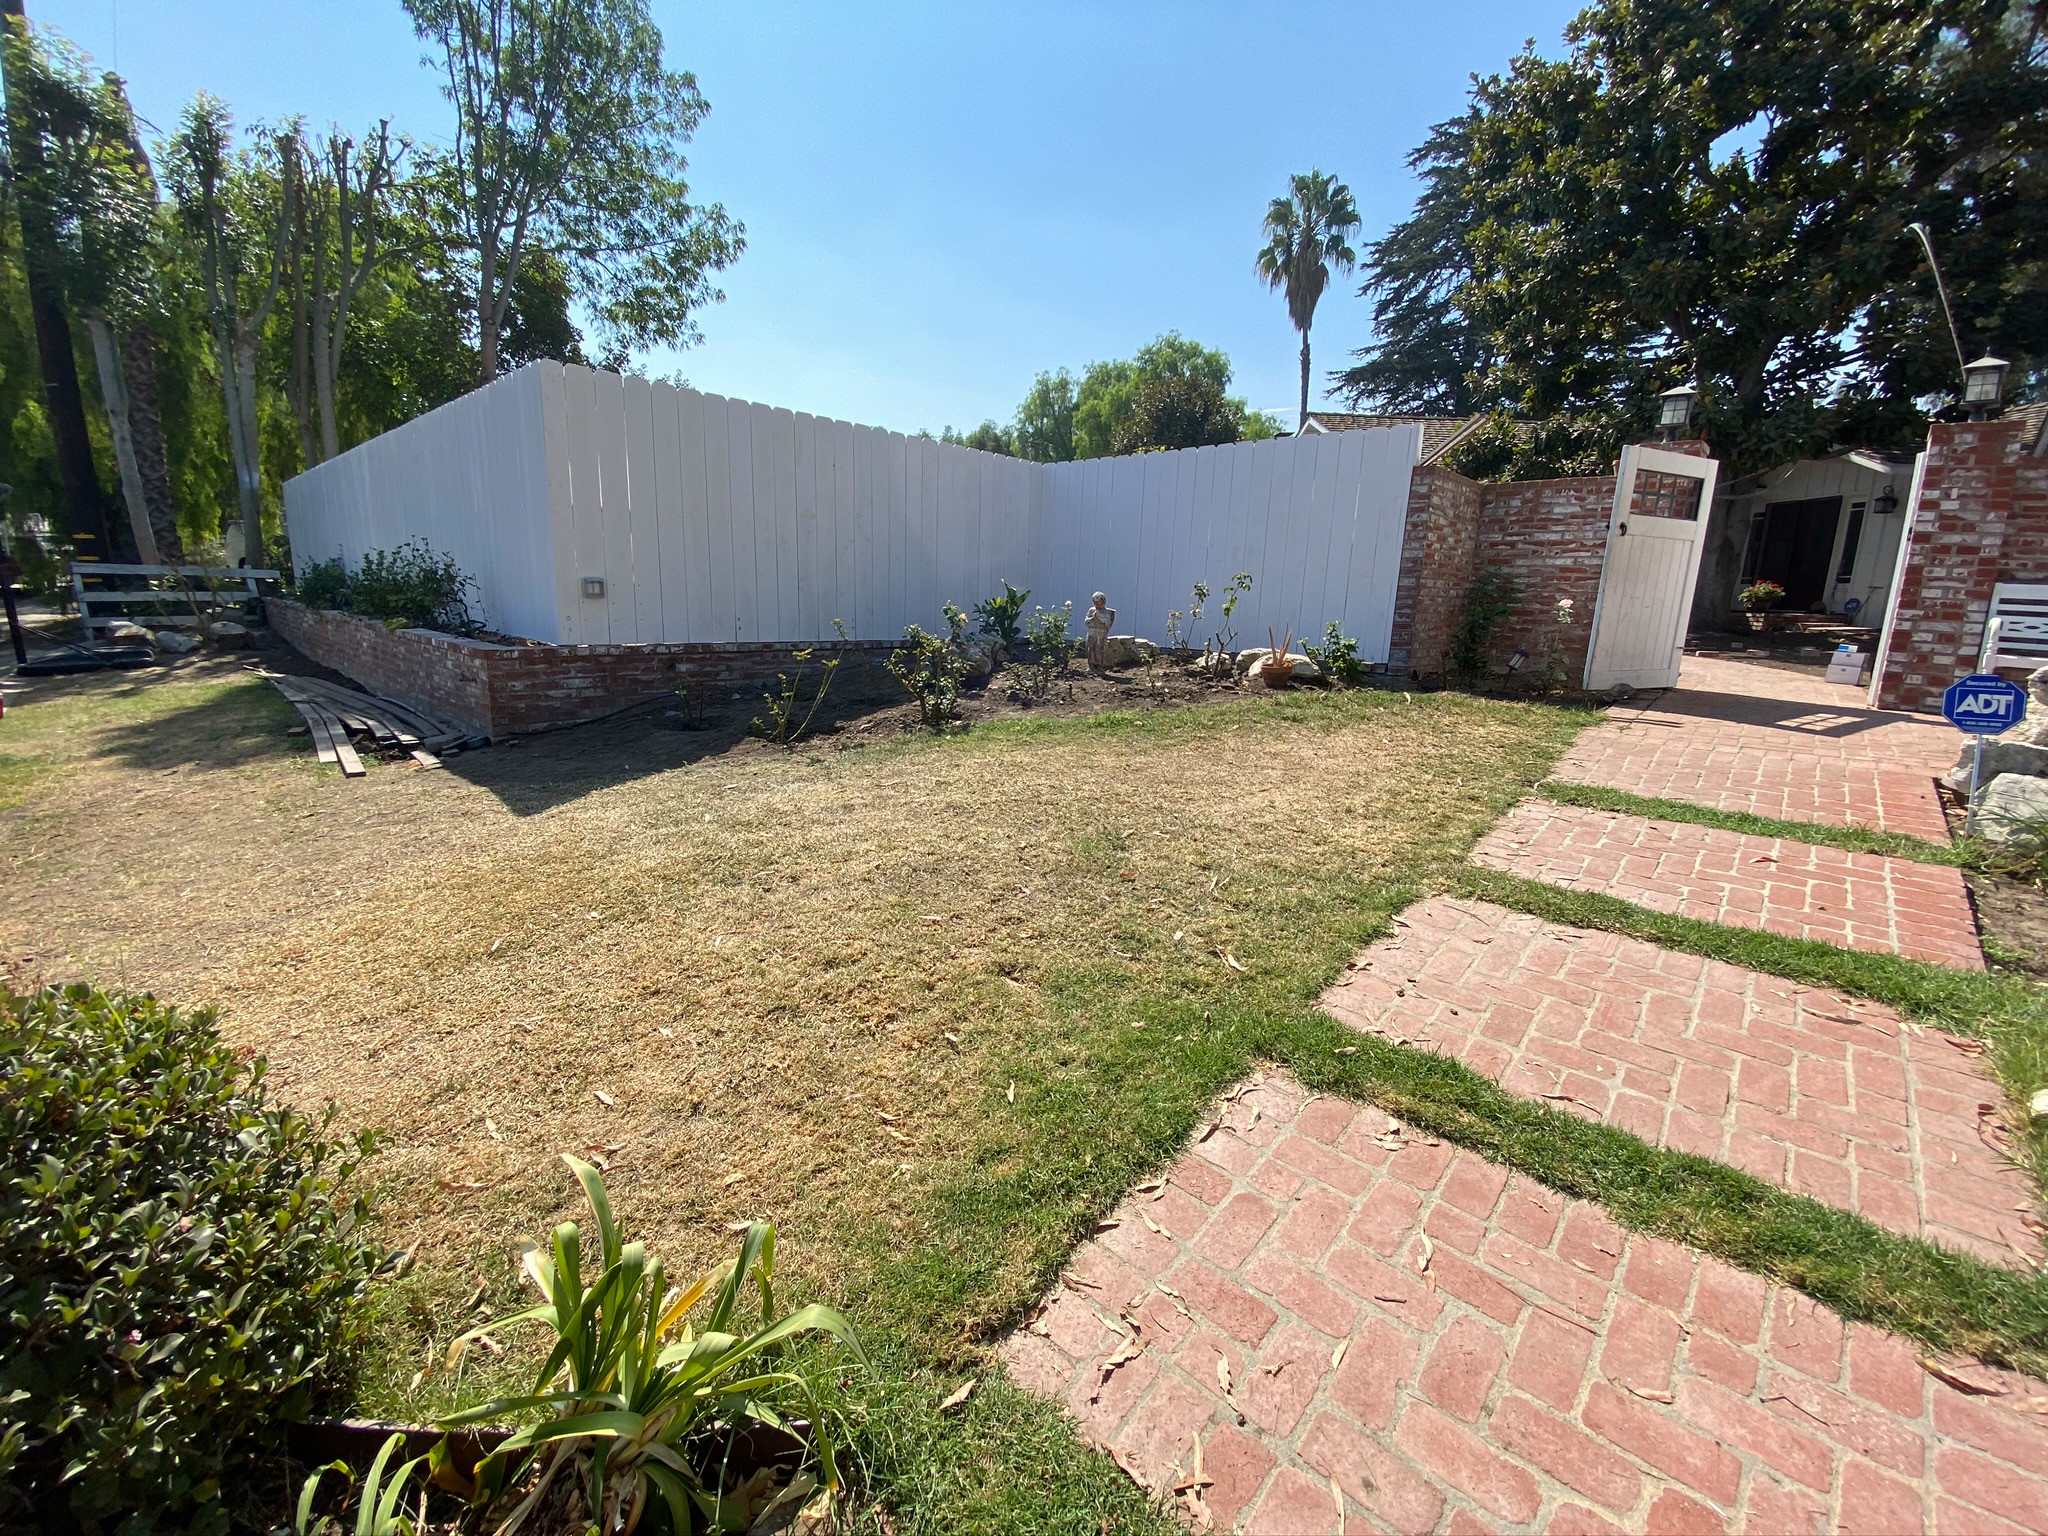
pixel 1002 618
pixel 640 1407
pixel 1491 598
pixel 410 586
pixel 181 1264
pixel 1053 650
pixel 1337 656
pixel 930 669
pixel 788 716
pixel 1216 650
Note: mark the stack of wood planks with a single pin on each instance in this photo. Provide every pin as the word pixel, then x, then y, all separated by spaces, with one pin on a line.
pixel 333 714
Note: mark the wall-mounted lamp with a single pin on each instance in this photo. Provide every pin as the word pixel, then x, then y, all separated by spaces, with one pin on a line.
pixel 1984 385
pixel 1886 502
pixel 593 586
pixel 1674 411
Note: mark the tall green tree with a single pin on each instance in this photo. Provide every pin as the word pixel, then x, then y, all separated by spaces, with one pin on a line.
pixel 1308 232
pixel 84 507
pixel 236 210
pixel 1426 354
pixel 88 189
pixel 1721 190
pixel 338 192
pixel 1108 391
pixel 569 135
pixel 1044 424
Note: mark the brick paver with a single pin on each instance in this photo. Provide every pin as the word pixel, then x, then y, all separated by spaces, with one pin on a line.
pixel 1742 737
pixel 1854 899
pixel 1831 1096
pixel 1363 1329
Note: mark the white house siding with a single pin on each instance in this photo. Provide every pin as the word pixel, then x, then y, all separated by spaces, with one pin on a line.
pixel 1871 572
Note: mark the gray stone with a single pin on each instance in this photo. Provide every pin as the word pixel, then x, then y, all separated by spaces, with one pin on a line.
pixel 2033 730
pixel 2001 755
pixel 1280 671
pixel 2011 806
pixel 227 635
pixel 176 642
pixel 1127 651
pixel 127 632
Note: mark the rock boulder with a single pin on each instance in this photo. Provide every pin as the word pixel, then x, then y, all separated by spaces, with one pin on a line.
pixel 2013 805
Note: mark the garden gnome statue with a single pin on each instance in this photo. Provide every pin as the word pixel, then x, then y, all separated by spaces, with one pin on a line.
pixel 1097 622
pixel 2034 729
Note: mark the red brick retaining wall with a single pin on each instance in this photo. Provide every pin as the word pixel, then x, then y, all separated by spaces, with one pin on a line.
pixel 1436 567
pixel 1982 519
pixel 504 690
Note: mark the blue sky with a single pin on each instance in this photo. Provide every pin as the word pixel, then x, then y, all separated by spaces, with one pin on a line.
pixel 941 200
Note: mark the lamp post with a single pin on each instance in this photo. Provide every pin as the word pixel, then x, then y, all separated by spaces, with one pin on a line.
pixel 1674 410
pixel 1984 386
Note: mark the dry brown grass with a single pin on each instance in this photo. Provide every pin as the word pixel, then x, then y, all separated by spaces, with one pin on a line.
pixel 757 964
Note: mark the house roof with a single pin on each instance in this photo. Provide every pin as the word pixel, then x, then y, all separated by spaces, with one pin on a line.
pixel 1440 434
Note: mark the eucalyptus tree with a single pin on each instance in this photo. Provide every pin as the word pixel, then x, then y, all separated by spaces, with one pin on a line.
pixel 236 208
pixel 569 135
pixel 339 194
pixel 1308 232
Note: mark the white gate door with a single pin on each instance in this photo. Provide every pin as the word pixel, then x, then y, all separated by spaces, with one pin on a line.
pixel 1661 501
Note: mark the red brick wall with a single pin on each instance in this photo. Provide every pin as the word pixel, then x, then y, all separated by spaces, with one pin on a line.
pixel 505 690
pixel 1551 536
pixel 1436 568
pixel 1982 519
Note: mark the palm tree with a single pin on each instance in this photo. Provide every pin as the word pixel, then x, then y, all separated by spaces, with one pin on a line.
pixel 1307 233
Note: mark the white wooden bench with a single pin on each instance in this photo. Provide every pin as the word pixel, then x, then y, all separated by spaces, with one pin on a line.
pixel 184 587
pixel 2016 629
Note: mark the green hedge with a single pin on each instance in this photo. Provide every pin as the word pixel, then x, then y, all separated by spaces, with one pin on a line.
pixel 180 1265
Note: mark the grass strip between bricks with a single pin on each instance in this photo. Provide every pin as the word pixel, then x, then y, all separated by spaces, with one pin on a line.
pixel 1890 845
pixel 1108 1107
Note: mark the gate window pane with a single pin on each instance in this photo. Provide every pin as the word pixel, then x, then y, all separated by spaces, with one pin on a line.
pixel 1658 494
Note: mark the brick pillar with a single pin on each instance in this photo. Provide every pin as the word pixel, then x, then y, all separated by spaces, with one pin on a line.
pixel 1982 518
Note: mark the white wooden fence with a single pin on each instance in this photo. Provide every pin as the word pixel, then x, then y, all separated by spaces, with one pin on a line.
pixel 596 509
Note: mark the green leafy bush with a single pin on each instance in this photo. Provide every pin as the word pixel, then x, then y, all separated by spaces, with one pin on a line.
pixel 410 585
pixel 1337 656
pixel 180 1265
pixel 931 669
pixel 1052 652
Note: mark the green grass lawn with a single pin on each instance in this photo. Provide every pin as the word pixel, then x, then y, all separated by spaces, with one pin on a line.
pixel 889 996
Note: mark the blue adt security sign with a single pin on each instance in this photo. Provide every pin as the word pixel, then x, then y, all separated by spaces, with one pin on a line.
pixel 1984 704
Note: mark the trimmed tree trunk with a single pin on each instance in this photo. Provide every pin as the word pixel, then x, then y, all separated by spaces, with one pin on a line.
pixel 1301 425
pixel 146 428
pixel 114 392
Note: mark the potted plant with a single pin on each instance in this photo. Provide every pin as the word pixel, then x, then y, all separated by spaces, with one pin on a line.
pixel 1757 600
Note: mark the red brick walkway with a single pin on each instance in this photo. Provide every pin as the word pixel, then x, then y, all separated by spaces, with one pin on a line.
pixel 1743 737
pixel 1337 1312
pixel 1853 899
pixel 1827 1095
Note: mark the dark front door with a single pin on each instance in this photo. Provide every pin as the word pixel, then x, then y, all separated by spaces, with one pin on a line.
pixel 1798 541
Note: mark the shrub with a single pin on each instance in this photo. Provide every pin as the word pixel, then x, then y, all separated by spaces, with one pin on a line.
pixel 641 1409
pixel 1760 595
pixel 1052 652
pixel 931 668
pixel 783 725
pixel 1491 598
pixel 409 585
pixel 180 1267
pixel 1337 656
pixel 324 585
